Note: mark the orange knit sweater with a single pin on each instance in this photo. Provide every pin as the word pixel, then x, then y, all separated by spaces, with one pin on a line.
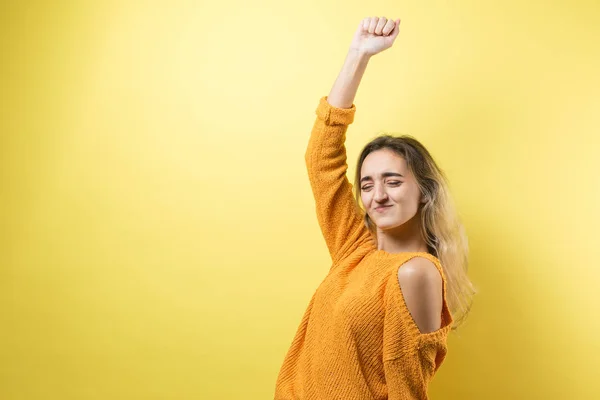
pixel 357 339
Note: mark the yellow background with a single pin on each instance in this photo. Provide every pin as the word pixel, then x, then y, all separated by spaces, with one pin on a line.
pixel 158 235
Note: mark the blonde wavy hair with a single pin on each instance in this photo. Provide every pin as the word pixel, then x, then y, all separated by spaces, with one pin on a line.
pixel 441 227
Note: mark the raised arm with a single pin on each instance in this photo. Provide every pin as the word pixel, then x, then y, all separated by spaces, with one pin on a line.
pixel 372 36
pixel 339 217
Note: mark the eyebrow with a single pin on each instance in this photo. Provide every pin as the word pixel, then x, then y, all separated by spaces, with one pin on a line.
pixel 384 175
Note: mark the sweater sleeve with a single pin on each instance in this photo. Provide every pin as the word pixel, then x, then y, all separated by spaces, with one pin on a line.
pixel 410 358
pixel 408 377
pixel 338 215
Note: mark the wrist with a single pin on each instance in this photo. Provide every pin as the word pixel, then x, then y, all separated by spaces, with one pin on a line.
pixel 359 54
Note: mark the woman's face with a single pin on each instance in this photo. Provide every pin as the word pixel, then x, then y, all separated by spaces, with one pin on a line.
pixel 386 181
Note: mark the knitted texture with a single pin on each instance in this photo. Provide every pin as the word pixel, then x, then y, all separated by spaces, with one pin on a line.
pixel 357 339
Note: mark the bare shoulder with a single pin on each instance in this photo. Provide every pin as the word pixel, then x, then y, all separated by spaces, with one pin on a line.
pixel 421 285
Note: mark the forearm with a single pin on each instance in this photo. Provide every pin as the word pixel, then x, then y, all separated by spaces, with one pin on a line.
pixel 346 85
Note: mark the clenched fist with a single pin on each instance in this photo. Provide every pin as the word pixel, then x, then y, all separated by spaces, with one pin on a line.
pixel 375 35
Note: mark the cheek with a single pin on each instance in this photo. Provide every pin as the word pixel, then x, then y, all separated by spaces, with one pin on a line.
pixel 406 195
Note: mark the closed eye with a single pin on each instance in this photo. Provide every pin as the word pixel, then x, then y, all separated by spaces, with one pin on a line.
pixel 394 183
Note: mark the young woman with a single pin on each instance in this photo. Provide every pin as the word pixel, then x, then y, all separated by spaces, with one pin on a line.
pixel 377 326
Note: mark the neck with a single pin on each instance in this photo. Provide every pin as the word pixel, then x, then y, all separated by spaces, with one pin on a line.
pixel 404 238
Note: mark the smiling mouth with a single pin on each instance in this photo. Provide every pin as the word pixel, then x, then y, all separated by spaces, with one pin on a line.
pixel 382 208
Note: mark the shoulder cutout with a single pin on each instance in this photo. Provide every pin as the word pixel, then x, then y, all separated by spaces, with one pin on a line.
pixel 421 286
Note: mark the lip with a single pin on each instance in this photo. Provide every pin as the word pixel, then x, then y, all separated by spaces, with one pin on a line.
pixel 381 209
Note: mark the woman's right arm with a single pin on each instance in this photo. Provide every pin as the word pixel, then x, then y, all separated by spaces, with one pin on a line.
pixel 344 89
pixel 340 218
pixel 372 36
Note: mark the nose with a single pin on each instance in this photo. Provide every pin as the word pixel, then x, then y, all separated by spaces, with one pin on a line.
pixel 380 193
